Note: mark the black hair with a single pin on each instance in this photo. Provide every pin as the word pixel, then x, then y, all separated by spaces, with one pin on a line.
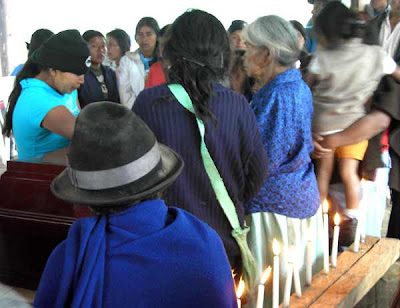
pixel 37 39
pixel 123 39
pixel 164 30
pixel 89 34
pixel 153 24
pixel 336 22
pixel 29 70
pixel 299 27
pixel 198 58
pixel 236 25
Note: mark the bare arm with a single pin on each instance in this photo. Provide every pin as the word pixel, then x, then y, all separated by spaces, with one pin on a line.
pixel 364 129
pixel 60 121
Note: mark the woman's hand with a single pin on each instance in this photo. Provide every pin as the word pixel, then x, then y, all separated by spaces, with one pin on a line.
pixel 319 150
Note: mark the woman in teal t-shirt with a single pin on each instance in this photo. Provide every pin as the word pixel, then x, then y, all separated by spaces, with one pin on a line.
pixel 43 104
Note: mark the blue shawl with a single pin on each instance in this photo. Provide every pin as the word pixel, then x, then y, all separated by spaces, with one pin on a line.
pixel 146 256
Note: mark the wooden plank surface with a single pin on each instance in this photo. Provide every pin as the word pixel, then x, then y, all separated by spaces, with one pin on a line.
pixel 322 282
pixel 362 276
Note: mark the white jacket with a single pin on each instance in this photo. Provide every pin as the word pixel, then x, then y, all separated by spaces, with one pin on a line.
pixel 131 78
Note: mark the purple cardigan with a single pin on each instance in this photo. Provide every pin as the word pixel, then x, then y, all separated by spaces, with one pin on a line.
pixel 235 145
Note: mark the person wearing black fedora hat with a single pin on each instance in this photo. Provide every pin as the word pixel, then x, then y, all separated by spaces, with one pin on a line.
pixel 136 252
pixel 43 104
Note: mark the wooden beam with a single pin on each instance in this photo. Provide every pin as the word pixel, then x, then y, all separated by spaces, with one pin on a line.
pixel 362 276
pixel 354 276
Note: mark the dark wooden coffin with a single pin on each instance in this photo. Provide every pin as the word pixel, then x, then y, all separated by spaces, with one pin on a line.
pixel 32 220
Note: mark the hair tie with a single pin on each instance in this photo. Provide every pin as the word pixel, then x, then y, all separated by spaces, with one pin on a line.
pixel 194 61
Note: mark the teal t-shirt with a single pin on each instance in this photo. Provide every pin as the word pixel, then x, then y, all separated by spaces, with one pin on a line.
pixel 37 98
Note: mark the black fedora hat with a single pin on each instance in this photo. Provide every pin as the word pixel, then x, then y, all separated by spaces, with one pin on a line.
pixel 114 159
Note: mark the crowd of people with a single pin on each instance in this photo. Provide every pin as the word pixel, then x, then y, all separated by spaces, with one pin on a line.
pixel 204 145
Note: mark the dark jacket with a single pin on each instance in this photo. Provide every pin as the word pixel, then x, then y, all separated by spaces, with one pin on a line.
pixel 386 99
pixel 90 91
pixel 372 30
pixel 234 144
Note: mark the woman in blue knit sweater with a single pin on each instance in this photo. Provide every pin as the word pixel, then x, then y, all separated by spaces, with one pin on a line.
pixel 198 59
pixel 287 207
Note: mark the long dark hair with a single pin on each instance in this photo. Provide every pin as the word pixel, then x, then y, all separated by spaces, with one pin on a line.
pixel 337 22
pixel 197 47
pixel 122 38
pixel 153 24
pixel 29 70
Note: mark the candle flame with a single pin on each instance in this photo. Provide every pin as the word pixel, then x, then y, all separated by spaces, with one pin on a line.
pixel 336 219
pixel 276 249
pixel 325 206
pixel 240 288
pixel 233 273
pixel 265 275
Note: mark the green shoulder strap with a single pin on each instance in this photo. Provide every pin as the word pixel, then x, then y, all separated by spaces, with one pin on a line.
pixel 225 201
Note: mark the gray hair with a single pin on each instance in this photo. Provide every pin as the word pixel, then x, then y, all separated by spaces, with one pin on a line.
pixel 277 35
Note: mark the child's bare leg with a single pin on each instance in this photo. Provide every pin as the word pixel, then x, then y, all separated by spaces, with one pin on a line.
pixel 348 168
pixel 324 173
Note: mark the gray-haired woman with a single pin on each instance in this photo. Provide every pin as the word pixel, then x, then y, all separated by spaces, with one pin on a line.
pixel 287 207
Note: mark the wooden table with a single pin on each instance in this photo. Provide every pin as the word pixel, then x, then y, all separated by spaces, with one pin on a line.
pixel 354 276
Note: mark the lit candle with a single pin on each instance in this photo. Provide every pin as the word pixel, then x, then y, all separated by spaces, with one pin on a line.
pixel 239 292
pixel 325 208
pixel 276 249
pixel 296 275
pixel 288 284
pixel 335 242
pixel 261 287
pixel 309 258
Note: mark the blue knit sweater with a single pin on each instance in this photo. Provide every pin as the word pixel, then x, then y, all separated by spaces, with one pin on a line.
pixel 235 145
pixel 284 109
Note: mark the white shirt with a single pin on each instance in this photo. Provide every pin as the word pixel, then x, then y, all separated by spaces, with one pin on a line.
pixel 388 39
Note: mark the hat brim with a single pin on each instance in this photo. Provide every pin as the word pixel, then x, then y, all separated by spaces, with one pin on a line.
pixel 172 165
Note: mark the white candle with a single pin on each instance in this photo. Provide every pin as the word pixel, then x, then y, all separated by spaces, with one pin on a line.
pixel 288 285
pixel 309 259
pixel 362 213
pixel 260 296
pixel 276 249
pixel 261 287
pixel 335 242
pixel 296 278
pixel 362 231
pixel 356 245
pixel 325 208
pixel 239 292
